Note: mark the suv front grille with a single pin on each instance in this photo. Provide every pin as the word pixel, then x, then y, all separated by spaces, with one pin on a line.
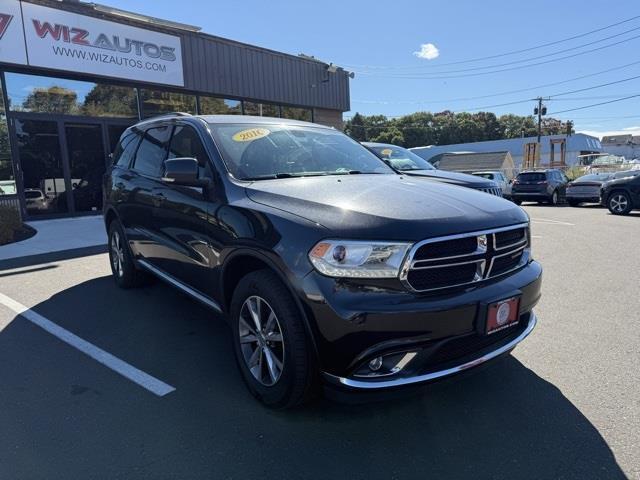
pixel 497 191
pixel 461 260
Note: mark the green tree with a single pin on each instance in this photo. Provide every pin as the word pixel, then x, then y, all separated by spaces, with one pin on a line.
pixel 51 100
pixel 390 135
pixel 110 101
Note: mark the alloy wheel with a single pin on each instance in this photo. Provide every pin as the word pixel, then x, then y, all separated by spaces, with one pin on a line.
pixel 261 340
pixel 117 254
pixel 618 203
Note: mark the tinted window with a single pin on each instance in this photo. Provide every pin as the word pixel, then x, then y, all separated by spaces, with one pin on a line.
pixel 152 151
pixel 126 149
pixel 297 113
pixel 532 177
pixel 400 158
pixel 155 102
pixel 261 109
pixel 214 105
pixel 257 151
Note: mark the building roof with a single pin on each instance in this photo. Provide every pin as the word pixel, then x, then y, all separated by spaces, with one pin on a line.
pixel 476 161
pixel 578 142
pixel 617 139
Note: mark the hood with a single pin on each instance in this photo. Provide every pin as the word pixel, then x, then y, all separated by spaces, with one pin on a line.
pixel 454 178
pixel 617 181
pixel 392 207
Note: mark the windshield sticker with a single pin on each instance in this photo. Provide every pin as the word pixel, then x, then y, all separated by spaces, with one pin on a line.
pixel 387 152
pixel 250 135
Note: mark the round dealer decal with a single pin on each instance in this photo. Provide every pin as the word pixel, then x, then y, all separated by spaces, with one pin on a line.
pixel 251 134
pixel 387 152
pixel 503 313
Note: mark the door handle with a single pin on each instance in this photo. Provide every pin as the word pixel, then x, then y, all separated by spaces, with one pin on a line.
pixel 158 199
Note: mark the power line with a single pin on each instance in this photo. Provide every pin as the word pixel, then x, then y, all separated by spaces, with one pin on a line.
pixel 546 55
pixel 513 52
pixel 443 77
pixel 595 104
pixel 500 94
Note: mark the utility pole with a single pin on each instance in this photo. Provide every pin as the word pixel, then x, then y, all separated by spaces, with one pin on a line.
pixel 540 110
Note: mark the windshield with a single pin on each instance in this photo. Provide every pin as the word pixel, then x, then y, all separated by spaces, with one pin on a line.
pixel 627 173
pixel 488 176
pixel 401 158
pixel 594 177
pixel 259 151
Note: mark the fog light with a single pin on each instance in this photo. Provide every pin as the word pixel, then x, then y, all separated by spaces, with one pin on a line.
pixel 375 364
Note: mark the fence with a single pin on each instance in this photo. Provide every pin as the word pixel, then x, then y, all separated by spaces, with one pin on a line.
pixel 10 201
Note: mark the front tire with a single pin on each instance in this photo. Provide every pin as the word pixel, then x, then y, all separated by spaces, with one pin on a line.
pixel 553 200
pixel 121 260
pixel 619 203
pixel 272 349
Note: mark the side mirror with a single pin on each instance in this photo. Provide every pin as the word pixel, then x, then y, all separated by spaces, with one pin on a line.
pixel 183 171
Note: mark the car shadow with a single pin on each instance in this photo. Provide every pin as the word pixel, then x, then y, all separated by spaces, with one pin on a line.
pixel 502 422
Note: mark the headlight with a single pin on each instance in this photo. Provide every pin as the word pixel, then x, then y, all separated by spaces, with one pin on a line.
pixel 358 259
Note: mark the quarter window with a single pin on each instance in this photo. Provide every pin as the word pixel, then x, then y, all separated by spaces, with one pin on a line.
pixel 152 151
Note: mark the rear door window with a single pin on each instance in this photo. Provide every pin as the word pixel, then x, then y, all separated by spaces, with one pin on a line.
pixel 152 151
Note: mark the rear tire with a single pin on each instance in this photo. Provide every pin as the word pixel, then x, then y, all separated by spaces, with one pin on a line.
pixel 272 349
pixel 553 200
pixel 121 260
pixel 619 203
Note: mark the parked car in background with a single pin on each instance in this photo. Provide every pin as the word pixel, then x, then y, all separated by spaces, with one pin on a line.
pixel 586 189
pixel 406 162
pixel 622 194
pixel 328 265
pixel 35 199
pixel 499 178
pixel 540 186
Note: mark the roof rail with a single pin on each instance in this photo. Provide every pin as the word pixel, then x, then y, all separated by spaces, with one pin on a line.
pixel 166 114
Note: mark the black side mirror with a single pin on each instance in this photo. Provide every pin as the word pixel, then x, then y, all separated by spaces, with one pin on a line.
pixel 183 171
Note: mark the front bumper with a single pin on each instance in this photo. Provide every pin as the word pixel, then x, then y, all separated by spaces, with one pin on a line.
pixel 405 380
pixel 353 323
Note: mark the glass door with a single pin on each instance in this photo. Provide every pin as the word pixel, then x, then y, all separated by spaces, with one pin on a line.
pixel 43 169
pixel 87 166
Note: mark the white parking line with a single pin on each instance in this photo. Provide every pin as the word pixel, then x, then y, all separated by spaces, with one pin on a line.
pixel 143 379
pixel 548 221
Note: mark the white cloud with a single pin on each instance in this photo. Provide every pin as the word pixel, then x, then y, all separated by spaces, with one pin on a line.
pixel 428 51
pixel 606 133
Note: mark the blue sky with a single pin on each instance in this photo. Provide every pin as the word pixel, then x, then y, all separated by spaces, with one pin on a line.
pixel 361 35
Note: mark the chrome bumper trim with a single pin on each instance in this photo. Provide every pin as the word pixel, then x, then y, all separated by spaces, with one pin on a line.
pixel 398 382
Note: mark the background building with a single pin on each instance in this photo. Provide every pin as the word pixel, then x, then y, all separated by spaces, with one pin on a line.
pixel 627 146
pixel 577 144
pixel 75 75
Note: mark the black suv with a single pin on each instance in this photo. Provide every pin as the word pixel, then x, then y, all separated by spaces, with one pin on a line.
pixel 540 186
pixel 408 163
pixel 622 194
pixel 329 267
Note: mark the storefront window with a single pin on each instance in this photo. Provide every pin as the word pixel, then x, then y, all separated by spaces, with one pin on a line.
pixel 7 180
pixel 32 93
pixel 261 109
pixel 155 102
pixel 219 106
pixel 295 113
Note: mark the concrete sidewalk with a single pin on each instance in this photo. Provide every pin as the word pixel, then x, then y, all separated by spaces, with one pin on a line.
pixel 76 235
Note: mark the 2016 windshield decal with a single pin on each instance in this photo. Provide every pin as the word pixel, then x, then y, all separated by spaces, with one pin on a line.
pixel 80 36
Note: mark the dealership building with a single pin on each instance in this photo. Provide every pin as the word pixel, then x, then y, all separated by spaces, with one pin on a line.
pixel 74 75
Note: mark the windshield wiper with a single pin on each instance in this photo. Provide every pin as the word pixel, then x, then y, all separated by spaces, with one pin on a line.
pixel 273 176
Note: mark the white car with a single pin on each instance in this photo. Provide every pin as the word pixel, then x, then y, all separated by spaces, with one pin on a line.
pixel 499 178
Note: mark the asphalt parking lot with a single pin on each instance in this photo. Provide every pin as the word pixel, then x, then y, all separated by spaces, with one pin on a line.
pixel 565 405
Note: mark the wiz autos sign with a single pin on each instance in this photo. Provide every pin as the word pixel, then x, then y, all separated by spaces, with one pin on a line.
pixel 67 41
